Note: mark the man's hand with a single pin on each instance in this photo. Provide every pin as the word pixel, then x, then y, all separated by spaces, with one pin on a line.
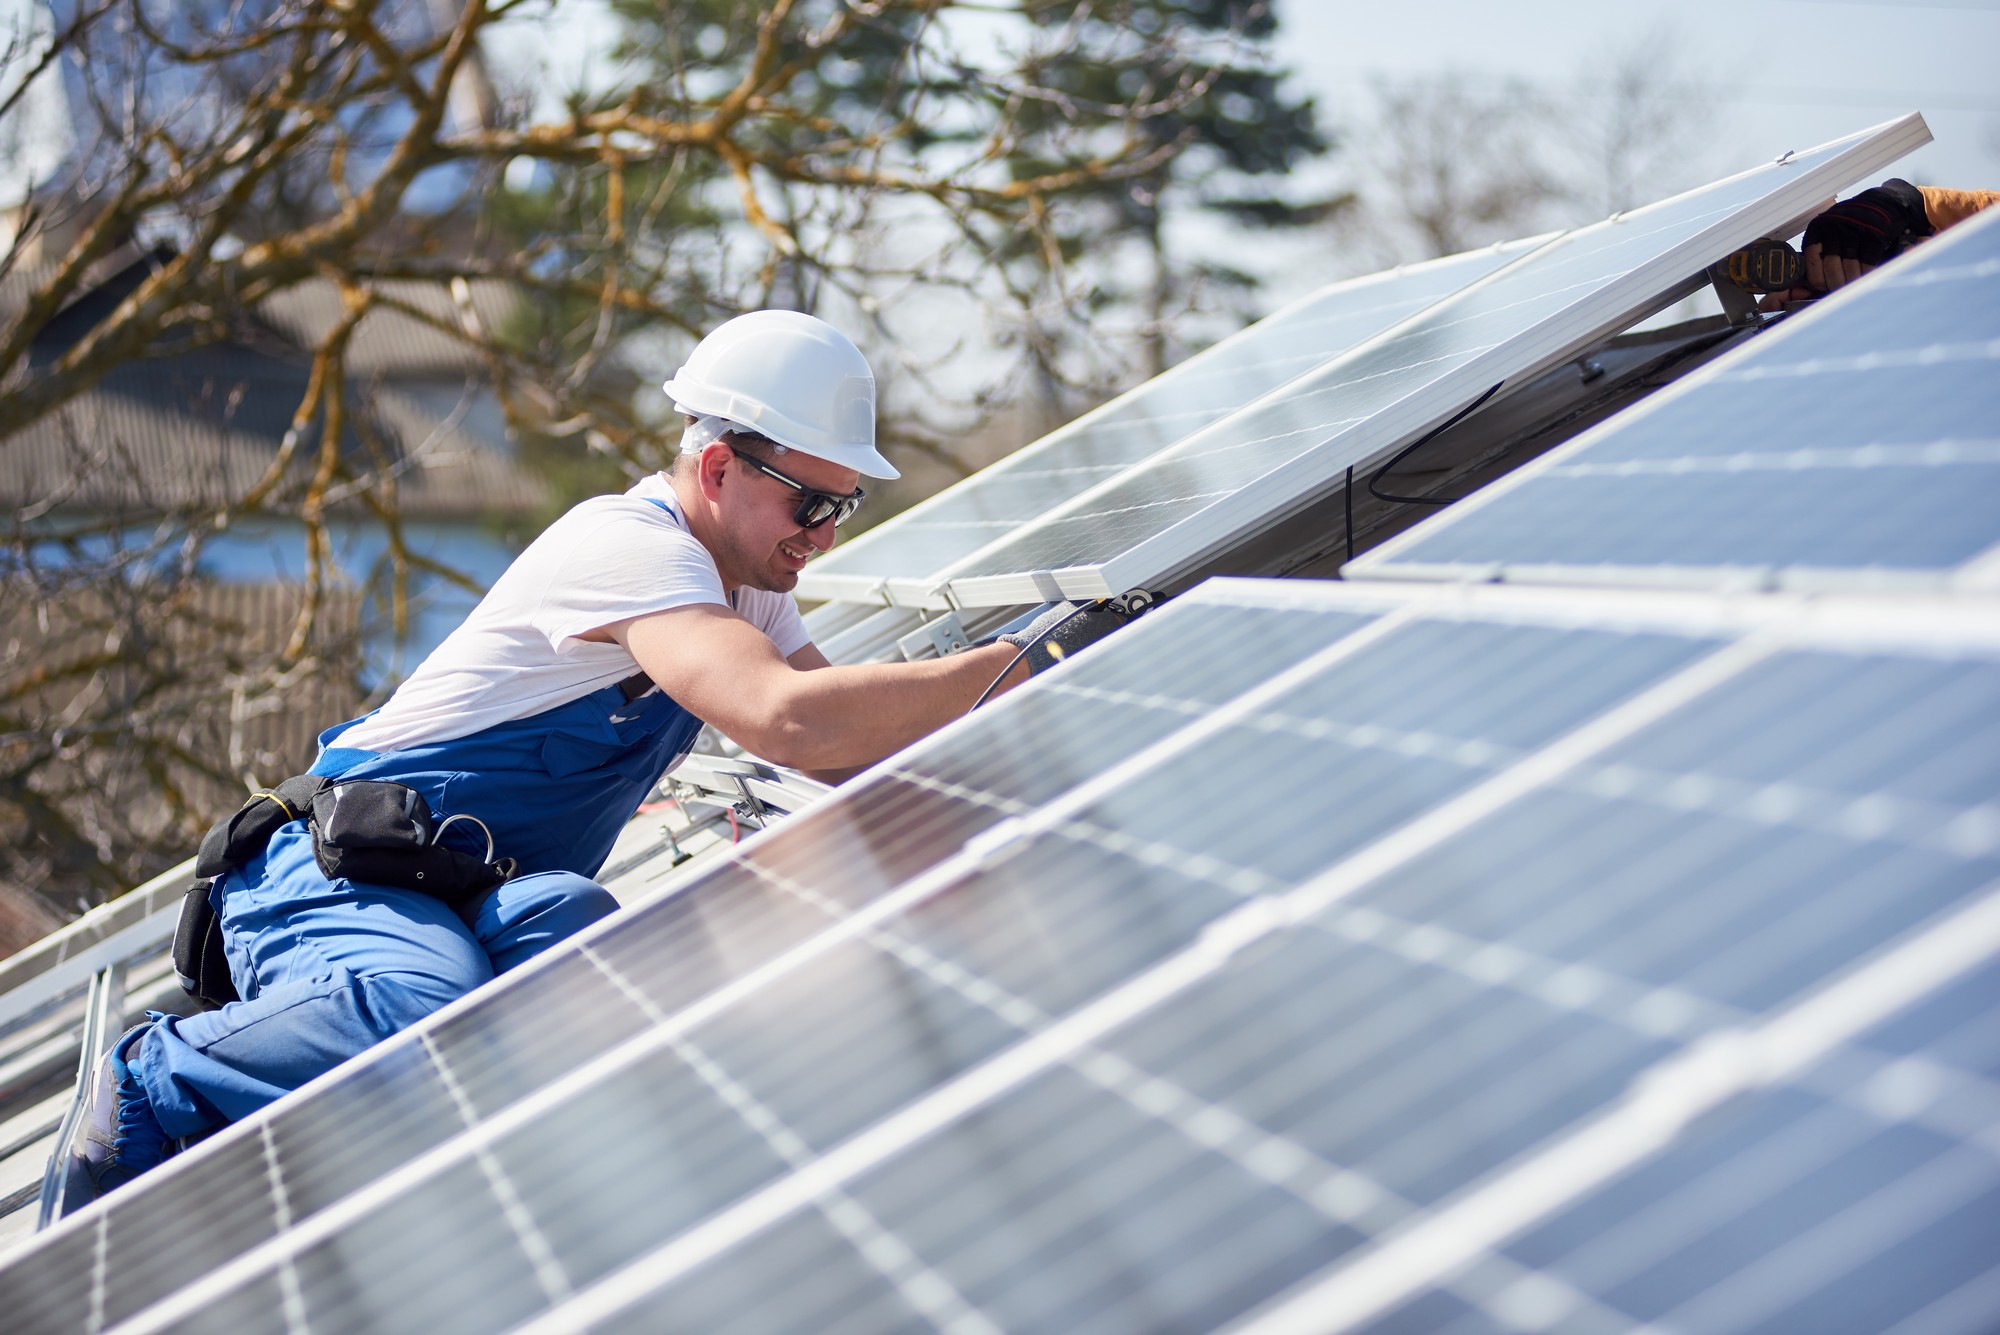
pixel 1061 631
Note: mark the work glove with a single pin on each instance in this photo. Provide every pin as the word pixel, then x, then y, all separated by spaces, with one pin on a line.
pixel 1063 629
pixel 1857 234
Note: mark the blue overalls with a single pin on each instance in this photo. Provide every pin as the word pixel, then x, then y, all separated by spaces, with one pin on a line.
pixel 328 968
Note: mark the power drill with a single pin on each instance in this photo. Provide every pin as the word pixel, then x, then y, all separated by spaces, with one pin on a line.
pixel 1766 265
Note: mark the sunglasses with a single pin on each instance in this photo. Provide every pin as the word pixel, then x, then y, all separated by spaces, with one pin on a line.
pixel 815 506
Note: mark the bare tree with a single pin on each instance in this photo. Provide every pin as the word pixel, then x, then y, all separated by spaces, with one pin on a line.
pixel 275 178
pixel 1458 160
pixel 1636 127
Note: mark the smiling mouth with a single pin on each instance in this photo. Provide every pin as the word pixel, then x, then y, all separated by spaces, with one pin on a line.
pixel 796 553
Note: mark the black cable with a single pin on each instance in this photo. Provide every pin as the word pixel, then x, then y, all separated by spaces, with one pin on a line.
pixel 1347 498
pixel 1075 612
pixel 1425 439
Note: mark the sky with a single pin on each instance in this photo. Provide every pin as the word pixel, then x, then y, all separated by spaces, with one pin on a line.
pixel 1778 74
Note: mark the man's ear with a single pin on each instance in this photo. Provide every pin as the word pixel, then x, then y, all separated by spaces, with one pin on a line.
pixel 715 457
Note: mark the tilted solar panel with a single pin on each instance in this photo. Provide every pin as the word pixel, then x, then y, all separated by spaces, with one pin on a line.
pixel 907 557
pixel 1222 974
pixel 1276 456
pixel 1854 445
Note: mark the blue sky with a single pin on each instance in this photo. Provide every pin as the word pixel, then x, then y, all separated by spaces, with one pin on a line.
pixel 1778 74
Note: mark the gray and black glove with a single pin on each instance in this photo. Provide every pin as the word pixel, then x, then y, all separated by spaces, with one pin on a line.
pixel 1062 630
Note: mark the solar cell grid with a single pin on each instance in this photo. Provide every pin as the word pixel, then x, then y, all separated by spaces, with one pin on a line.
pixel 915 549
pixel 1852 445
pixel 813 1102
pixel 1455 1002
pixel 671 953
pixel 1269 457
pixel 1119 1062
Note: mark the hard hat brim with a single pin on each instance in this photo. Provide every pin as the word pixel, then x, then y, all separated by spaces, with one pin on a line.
pixel 705 401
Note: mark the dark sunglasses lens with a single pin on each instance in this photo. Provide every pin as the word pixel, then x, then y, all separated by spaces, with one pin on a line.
pixel 818 507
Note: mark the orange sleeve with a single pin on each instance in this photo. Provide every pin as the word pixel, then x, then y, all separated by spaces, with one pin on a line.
pixel 1946 207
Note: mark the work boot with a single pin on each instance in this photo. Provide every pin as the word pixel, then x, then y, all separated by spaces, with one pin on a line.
pixel 118 1137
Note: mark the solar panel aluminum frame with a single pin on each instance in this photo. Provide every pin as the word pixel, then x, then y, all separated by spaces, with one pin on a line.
pixel 69 966
pixel 1317 473
pixel 929 590
pixel 1982 573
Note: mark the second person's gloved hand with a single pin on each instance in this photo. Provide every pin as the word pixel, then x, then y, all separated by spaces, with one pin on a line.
pixel 1857 234
pixel 1062 630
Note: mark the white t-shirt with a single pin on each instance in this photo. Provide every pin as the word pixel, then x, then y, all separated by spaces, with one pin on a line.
pixel 610 558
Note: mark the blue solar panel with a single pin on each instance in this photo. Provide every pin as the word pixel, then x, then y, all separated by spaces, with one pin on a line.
pixel 1853 444
pixel 1410 895
pixel 516 1041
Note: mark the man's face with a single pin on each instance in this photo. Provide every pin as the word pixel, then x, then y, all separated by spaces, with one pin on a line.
pixel 766 546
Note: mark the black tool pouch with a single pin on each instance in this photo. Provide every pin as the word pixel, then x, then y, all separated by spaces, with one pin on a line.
pixel 365 829
pixel 229 843
pixel 233 841
pixel 198 954
pixel 374 830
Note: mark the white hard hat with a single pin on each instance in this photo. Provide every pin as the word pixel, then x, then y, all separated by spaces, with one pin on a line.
pixel 791 377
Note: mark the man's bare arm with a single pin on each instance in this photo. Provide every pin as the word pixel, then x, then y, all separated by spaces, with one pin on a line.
pixel 810 659
pixel 726 672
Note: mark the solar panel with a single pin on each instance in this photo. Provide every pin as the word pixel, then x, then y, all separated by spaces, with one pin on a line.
pixel 1276 456
pixel 552 1019
pixel 906 558
pixel 1229 966
pixel 1853 445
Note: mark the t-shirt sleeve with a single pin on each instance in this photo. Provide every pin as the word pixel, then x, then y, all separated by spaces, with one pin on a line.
pixel 777 615
pixel 620 562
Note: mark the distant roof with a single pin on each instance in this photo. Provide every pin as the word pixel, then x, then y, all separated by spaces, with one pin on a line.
pixel 391 342
pixel 203 427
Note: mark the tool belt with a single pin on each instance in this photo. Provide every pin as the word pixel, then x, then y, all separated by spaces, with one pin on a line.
pixel 363 829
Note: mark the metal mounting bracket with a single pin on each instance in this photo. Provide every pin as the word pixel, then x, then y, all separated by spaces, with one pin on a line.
pixel 945 635
pixel 1133 601
pixel 1738 306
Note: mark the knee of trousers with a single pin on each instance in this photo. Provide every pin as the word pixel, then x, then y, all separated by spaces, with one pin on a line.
pixel 560 902
pixel 388 1003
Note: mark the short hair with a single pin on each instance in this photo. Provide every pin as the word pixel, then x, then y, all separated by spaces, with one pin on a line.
pixel 742 440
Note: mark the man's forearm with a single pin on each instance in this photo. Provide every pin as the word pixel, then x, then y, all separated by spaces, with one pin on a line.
pixel 841 718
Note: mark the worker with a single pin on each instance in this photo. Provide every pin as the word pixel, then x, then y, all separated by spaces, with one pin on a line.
pixel 1855 235
pixel 539 725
